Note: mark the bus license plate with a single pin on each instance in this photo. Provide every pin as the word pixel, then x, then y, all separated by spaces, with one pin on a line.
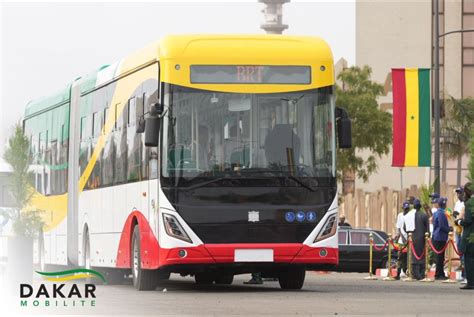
pixel 253 255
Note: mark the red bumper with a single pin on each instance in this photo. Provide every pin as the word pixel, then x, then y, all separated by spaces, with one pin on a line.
pixel 291 253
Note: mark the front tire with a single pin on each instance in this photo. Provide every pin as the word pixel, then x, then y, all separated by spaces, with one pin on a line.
pixel 292 278
pixel 143 280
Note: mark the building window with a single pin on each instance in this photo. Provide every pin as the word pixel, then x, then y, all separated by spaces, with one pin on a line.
pixel 468 49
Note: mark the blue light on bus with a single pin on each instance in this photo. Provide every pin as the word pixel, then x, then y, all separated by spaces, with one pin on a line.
pixel 311 216
pixel 300 216
pixel 290 216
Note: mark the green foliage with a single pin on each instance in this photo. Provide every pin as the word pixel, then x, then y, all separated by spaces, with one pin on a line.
pixel 425 192
pixel 18 156
pixel 371 127
pixel 470 167
pixel 457 126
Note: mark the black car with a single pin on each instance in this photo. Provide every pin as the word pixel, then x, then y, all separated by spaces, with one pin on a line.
pixel 354 250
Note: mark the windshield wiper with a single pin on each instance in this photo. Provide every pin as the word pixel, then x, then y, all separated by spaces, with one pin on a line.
pixel 300 182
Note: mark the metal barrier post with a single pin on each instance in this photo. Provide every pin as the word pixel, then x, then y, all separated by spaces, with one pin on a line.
pixel 409 268
pixel 450 258
pixel 427 259
pixel 389 274
pixel 371 276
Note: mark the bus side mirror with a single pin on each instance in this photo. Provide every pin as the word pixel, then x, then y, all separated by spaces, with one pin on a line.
pixel 152 130
pixel 344 129
pixel 156 109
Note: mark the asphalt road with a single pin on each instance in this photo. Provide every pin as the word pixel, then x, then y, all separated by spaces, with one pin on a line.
pixel 322 294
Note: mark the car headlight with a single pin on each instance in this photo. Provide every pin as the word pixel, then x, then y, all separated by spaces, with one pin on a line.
pixel 174 229
pixel 329 229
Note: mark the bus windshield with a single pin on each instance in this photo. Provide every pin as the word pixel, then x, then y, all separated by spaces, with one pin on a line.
pixel 213 135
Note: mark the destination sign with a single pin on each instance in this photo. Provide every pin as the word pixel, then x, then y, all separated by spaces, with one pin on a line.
pixel 250 74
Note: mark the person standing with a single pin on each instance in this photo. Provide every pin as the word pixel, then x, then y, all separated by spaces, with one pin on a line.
pixel 440 236
pixel 458 213
pixel 467 246
pixel 343 223
pixel 402 240
pixel 434 207
pixel 422 226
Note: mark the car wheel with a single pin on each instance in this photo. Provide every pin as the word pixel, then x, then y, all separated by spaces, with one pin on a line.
pixel 292 278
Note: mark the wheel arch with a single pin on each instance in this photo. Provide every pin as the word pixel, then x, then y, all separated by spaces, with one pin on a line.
pixel 148 243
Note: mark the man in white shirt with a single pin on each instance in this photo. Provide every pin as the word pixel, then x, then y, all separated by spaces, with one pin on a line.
pixel 409 221
pixel 402 239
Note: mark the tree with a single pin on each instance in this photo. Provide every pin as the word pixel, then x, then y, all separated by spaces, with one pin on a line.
pixel 371 127
pixel 18 156
pixel 470 174
pixel 457 128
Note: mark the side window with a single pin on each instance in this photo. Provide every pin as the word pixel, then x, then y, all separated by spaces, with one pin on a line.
pixel 342 235
pixel 132 111
pixel 97 123
pixel 377 239
pixel 39 166
pixel 133 143
pixel 46 164
pixel 359 238
pixel 105 116
pixel 120 145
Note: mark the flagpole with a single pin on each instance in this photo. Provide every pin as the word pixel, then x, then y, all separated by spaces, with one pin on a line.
pixel 436 92
pixel 436 99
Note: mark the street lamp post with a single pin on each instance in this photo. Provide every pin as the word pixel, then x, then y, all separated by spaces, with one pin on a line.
pixel 436 92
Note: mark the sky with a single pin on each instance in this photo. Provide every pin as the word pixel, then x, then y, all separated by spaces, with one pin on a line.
pixel 44 46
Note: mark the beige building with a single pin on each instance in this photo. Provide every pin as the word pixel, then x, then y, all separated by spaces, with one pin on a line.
pixel 399 34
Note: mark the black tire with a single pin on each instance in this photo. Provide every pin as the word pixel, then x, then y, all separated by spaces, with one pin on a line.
pixel 143 280
pixel 224 279
pixel 204 278
pixel 292 278
pixel 162 277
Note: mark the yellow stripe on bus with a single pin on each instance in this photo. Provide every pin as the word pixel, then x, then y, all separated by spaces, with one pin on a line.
pixel 412 127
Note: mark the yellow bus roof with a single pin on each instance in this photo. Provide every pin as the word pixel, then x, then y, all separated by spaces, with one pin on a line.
pixel 187 50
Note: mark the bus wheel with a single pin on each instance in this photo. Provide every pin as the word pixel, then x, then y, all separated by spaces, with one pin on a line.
pixel 163 275
pixel 204 278
pixel 143 280
pixel 224 279
pixel 292 278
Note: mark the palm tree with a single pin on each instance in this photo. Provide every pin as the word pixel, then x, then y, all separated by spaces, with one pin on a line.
pixel 456 129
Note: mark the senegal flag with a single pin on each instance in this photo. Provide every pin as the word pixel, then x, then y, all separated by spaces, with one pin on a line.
pixel 411 117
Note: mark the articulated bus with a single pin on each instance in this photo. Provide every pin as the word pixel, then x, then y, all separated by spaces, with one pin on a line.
pixel 207 156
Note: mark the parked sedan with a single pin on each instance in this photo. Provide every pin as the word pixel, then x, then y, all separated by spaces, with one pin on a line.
pixel 354 248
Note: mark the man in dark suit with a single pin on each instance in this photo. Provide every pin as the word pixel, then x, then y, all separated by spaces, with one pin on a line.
pixel 422 226
pixel 467 245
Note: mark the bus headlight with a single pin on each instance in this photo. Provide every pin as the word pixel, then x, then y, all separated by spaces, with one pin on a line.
pixel 174 228
pixel 329 229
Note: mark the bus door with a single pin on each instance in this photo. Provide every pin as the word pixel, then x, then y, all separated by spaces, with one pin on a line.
pixel 153 205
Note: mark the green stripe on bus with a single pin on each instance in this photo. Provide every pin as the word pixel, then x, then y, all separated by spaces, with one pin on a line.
pixel 424 143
